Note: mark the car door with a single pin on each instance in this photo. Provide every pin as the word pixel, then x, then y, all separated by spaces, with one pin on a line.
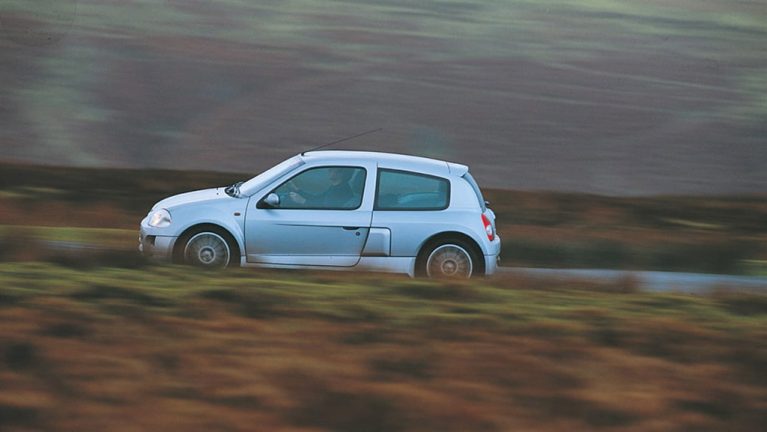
pixel 322 218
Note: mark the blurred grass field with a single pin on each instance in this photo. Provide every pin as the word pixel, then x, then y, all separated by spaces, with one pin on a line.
pixel 163 347
pixel 93 337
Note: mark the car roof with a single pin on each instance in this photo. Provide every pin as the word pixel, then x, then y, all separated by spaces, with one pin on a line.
pixel 388 160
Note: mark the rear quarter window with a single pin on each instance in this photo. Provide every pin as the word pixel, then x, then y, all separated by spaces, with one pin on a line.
pixel 405 190
pixel 470 180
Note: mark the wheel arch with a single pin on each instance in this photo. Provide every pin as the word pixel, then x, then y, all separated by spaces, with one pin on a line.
pixel 202 226
pixel 447 235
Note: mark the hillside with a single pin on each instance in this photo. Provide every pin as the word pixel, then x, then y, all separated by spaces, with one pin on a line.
pixel 609 97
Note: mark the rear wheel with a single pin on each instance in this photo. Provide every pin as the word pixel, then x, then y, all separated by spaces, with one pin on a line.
pixel 209 248
pixel 447 259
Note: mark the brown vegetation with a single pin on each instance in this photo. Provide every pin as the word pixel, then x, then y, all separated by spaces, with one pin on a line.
pixel 173 349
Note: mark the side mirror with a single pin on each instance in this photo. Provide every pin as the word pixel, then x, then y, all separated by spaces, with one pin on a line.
pixel 272 200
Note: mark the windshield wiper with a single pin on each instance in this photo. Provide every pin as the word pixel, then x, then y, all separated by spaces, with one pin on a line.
pixel 233 190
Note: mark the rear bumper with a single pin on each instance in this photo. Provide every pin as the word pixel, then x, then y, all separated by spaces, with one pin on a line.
pixel 492 260
pixel 491 264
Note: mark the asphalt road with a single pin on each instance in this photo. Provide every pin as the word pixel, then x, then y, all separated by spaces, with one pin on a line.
pixel 654 280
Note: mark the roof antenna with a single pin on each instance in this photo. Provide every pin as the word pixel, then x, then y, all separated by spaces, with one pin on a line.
pixel 341 140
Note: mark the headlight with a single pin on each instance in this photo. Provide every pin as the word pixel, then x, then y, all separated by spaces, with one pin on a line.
pixel 159 218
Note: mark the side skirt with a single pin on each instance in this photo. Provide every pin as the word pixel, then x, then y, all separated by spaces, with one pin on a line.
pixel 404 265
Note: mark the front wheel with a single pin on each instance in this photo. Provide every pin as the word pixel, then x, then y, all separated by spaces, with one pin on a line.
pixel 208 249
pixel 452 259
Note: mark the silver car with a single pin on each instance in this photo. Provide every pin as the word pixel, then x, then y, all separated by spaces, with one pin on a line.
pixel 334 209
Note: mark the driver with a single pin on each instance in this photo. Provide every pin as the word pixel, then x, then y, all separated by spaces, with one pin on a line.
pixel 336 195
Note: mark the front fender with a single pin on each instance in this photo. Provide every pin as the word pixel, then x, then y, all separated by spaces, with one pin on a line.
pixel 198 215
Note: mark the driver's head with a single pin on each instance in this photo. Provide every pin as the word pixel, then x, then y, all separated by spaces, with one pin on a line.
pixel 339 175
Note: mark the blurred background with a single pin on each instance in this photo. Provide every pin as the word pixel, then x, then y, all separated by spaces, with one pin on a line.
pixel 585 121
pixel 607 134
pixel 608 97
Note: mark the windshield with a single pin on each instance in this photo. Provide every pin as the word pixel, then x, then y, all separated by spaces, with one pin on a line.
pixel 256 183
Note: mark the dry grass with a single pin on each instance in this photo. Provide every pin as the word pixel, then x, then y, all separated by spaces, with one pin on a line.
pixel 172 349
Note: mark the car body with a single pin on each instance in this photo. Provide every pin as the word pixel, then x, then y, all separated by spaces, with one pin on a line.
pixel 334 209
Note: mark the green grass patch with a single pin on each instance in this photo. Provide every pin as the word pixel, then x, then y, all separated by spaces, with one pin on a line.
pixel 105 237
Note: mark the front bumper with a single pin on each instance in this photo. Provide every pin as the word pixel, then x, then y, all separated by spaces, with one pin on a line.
pixel 156 247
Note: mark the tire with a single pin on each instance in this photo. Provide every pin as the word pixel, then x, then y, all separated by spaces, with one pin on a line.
pixel 448 258
pixel 209 248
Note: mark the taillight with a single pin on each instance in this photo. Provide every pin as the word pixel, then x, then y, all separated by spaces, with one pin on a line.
pixel 488 228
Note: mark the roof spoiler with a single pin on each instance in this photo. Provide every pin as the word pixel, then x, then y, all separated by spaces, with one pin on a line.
pixel 457 169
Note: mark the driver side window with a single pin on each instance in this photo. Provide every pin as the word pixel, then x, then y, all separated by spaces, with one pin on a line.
pixel 323 188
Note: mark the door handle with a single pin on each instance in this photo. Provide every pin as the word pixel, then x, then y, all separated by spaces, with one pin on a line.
pixel 350 228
